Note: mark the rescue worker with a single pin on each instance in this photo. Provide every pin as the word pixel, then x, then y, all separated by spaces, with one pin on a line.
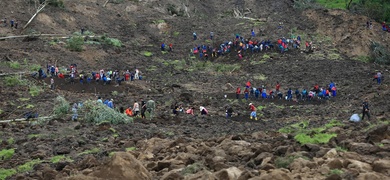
pixel 150 107
pixel 253 111
pixel 366 110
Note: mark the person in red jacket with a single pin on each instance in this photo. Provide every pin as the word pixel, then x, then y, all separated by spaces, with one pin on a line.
pixel 253 111
pixel 277 86
pixel 238 92
pixel 248 84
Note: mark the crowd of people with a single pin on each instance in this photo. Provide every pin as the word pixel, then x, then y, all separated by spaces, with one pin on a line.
pixel 243 45
pixel 251 92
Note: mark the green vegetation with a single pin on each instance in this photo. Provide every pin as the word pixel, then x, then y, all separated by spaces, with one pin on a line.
pixel 14 65
pixel 6 154
pixel 365 59
pixel 176 33
pixel 56 3
pixel 284 162
pixel 10 140
pixel 131 149
pixel 159 21
pixel 4 173
pixel 98 113
pixel 147 53
pixel 111 41
pixel 14 81
pixel 35 90
pixel 91 151
pixel 341 149
pixel 260 77
pixel 61 107
pixel 75 43
pixel 335 4
pixel 114 93
pixel 34 135
pixel 266 56
pixel 336 171
pixel 34 67
pixel 191 169
pixel 28 166
pixel 304 134
pixel 60 158
pixel 380 54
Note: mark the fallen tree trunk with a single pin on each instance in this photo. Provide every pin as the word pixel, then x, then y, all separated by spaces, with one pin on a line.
pixel 23 119
pixel 60 36
pixel 12 74
pixel 40 8
pixel 104 5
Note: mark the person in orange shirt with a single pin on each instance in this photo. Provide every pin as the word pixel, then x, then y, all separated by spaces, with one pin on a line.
pixel 129 112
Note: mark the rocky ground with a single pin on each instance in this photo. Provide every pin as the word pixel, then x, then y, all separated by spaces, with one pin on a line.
pixel 286 143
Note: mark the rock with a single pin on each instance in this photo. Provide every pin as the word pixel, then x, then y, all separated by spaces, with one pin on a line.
pixel 322 152
pixel 48 173
pixel 267 167
pixel 231 173
pixel 350 155
pixel 259 159
pixel 162 165
pixel 121 166
pixel 331 154
pixel 259 135
pixel 382 166
pixel 360 166
pixel 299 164
pixel 205 175
pixel 172 175
pixel 62 150
pixel 378 134
pixel 281 150
pixel 371 176
pixel 333 177
pixel 275 174
pixel 335 164
pixel 40 154
pixel 312 147
pixel 89 161
pixel 363 148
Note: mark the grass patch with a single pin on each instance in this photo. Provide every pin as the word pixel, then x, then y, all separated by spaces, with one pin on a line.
pixel 266 56
pixel 333 123
pixel 34 67
pixel 111 154
pixel 91 151
pixel 318 138
pixel 6 154
pixel 14 81
pixel 59 158
pixel 170 133
pixel 152 68
pixel 260 77
pixel 5 173
pixel 334 4
pixel 61 107
pixel 24 99
pixel 159 21
pixel 254 62
pixel 336 171
pixel 131 149
pixel 176 33
pixel 341 149
pixel 259 108
pixel 284 162
pixel 147 53
pixel 334 56
pixel 35 90
pixel 10 140
pixel 191 169
pixel 34 135
pixel 14 65
pixel 364 59
pixel 28 166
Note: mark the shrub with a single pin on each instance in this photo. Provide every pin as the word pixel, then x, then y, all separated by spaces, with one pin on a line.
pixel 59 158
pixel 14 81
pixel 34 90
pixel 4 173
pixel 14 65
pixel 61 106
pixel 75 43
pixel 284 162
pixel 6 154
pixel 380 53
pixel 147 53
pixel 28 166
pixel 56 3
pixel 97 113
pixel 34 67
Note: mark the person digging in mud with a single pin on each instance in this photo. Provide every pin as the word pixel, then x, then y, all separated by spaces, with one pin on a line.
pixel 150 107
pixel 366 110
pixel 143 108
pixel 74 110
pixel 190 111
pixel 253 111
pixel 238 92
pixel 229 112
pixel 129 112
pixel 203 110
pixel 136 108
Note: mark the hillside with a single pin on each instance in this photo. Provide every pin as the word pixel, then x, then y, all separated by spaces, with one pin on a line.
pixel 292 140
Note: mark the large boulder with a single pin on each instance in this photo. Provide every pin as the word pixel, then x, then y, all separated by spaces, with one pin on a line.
pixel 371 176
pixel 363 148
pixel 121 166
pixel 274 174
pixel 362 167
pixel 382 166
pixel 231 173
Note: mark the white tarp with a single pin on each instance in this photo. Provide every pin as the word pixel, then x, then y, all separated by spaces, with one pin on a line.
pixel 355 118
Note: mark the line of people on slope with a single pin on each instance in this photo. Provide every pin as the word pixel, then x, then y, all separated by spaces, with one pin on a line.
pixel 178 109
pixel 255 93
pixel 137 110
